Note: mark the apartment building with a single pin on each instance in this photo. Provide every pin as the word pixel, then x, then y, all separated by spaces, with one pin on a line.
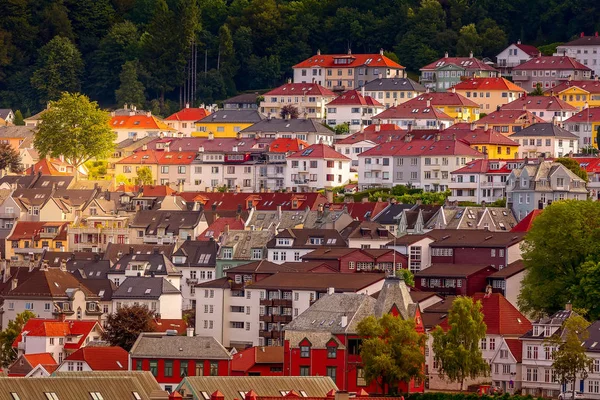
pixel 515 54
pixel 585 124
pixel 309 130
pixel 318 166
pixel 545 140
pixel 481 180
pixel 309 99
pixel 489 93
pixel 549 71
pixel 184 120
pixel 548 108
pixel 293 244
pixel 353 108
pixel 448 71
pixel 414 117
pixel 584 49
pixel 392 91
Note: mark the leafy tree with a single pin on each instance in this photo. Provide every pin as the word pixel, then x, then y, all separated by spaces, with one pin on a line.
pixel 573 166
pixel 457 350
pixel 10 158
pixel 407 275
pixel 131 90
pixel 59 68
pixel 125 325
pixel 144 176
pixel 570 360
pixel 19 118
pixel 538 91
pixel 549 49
pixel 8 336
pixel 96 169
pixel 342 129
pixel 121 179
pixel 391 351
pixel 289 111
pixel 469 41
pixel 598 136
pixel 559 251
pixel 74 127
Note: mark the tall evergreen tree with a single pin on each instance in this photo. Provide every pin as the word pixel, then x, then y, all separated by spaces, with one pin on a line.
pixel 131 90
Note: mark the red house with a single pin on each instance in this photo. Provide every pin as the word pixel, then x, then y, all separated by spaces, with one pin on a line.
pixel 349 260
pixel 323 340
pixel 170 358
pixel 258 361
pixel 454 279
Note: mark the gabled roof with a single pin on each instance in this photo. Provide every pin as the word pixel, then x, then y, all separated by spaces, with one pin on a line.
pixel 56 328
pixel 232 116
pixel 545 129
pixel 138 122
pixel 114 251
pixel 102 358
pixel 301 238
pixel 373 136
pixel 511 269
pixel 394 84
pixel 162 345
pixel 469 63
pixel 278 125
pixel 353 97
pixel 17 132
pixel 366 230
pixel 550 103
pixel 590 164
pixel 317 281
pixel 244 360
pixel 171 221
pixel 40 358
pixel 46 167
pixel 440 99
pixel 360 211
pixel 516 348
pixel 509 117
pixel 49 283
pixel 402 148
pixel 590 86
pixel 404 111
pixel 160 157
pixel 216 145
pixel 529 49
pixel 286 145
pixel 170 324
pixel 526 223
pixel 588 115
pixel 474 238
pixel 476 136
pixel 321 151
pixel 215 229
pixel 488 84
pixel 198 253
pixel 558 63
pixel 244 98
pixel 155 264
pixel 583 40
pixel 231 201
pixel 454 270
pixel 352 61
pixel 188 114
pixel 144 287
pixel 304 89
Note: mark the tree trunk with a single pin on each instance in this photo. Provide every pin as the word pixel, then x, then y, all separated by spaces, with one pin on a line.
pixel 462 384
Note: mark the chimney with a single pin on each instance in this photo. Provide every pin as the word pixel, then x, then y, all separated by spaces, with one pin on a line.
pixel 330 290
pixel 190 332
pixel 211 136
pixel 428 103
pixel 344 321
pixel 364 200
pixel 582 34
pixel 226 228
pixel 472 126
pixel 437 137
pixel 13 284
pixel 341 395
pixel 519 41
pixel 381 50
pixel 485 127
pixel 471 54
pixel 329 196
pixel 289 80
pixel 569 306
pixel 362 91
pixel 378 125
pixel 446 55
pixel 319 52
pixel 408 137
pixel 349 51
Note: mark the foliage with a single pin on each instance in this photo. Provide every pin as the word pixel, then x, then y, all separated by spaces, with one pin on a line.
pixel 561 253
pixel 10 158
pixel 570 359
pixel 74 127
pixel 407 276
pixel 549 49
pixel 391 350
pixel 19 118
pixel 342 129
pixel 122 179
pixel 457 350
pixel 537 91
pixel 97 169
pixel 131 90
pixel 124 326
pixel 574 166
pixel 144 176
pixel 8 336
pixel 289 111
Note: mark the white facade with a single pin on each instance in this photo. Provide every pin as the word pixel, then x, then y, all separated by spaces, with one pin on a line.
pixel 550 146
pixel 282 255
pixel 191 276
pixel 355 115
pixel 168 305
pixel 477 187
pixel 308 172
pixel 511 57
pixel 506 369
pixel 78 366
pixel 588 55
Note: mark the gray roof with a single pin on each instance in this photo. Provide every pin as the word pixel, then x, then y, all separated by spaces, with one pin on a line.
pixel 301 238
pixel 391 214
pixel 198 253
pixel 244 98
pixel 114 251
pixel 591 344
pixel 289 125
pixel 544 130
pixel 243 242
pixel 162 345
pixel 394 293
pixel 15 131
pixel 539 173
pixel 155 264
pixel 231 116
pixel 394 84
pixel 172 221
pixel 134 143
pixel 142 287
pixel 4 112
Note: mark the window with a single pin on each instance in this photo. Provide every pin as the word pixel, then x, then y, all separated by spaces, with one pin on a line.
pixel 304 351
pixel 360 377
pixel 228 253
pixel 214 368
pixel 138 365
pixel 168 370
pixel 331 352
pixel 331 372
pixel 304 371
pixel 51 396
pixel 154 367
pixel 492 344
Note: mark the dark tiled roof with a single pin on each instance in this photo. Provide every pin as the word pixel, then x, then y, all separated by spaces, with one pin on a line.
pixel 172 221
pixel 510 270
pixel 300 238
pixel 453 270
pixel 366 229
pixel 473 238
pixel 318 281
pixel 52 282
pixel 160 345
pixel 231 116
pixel 288 125
pixel 115 251
pixel 544 130
pixel 156 264
pixel 198 253
pixel 142 287
pixel 391 214
pixel 395 84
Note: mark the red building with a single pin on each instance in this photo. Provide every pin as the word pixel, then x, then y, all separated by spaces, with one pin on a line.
pixel 258 361
pixel 349 260
pixel 324 341
pixel 170 358
pixel 454 279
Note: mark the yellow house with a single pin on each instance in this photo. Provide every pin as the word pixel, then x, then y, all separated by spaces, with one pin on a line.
pixel 129 166
pixel 226 123
pixel 29 239
pixel 489 93
pixel 579 94
pixel 450 103
pixel 585 124
pixel 485 140
pixel 508 122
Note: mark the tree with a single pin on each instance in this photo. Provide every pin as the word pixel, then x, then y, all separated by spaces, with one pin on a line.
pixel 597 136
pixel 19 118
pixel 289 111
pixel 573 166
pixel 131 90
pixel 570 360
pixel 538 91
pixel 407 276
pixel 124 326
pixel 457 350
pixel 342 128
pixel 10 158
pixel 469 41
pixel 144 176
pixel 391 351
pixel 59 68
pixel 76 128
pixel 8 336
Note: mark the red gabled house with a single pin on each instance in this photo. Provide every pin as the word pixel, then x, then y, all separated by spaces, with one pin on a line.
pixel 324 340
pixel 258 361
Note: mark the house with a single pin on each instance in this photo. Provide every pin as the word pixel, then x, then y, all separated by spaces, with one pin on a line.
pixel 392 91
pixel 352 260
pixel 184 120
pixel 221 226
pixel 25 364
pixel 164 227
pixel 354 144
pixel 526 223
pixel 507 281
pixel 137 124
pixel 115 251
pixel 492 219
pixel 166 167
pixel 584 49
pixel 136 265
pixel 241 247
pixel 454 279
pixel 481 180
pixel 409 117
pixel 226 123
pixel 340 72
pixel 418 220
pixel 389 216
pixel 258 361
pixel 323 340
pixel 156 293
pixel 35 119
pixel 416 248
pixel 591 165
pixel 7 115
pixel 318 166
pixel 242 101
pixel 16 136
pixel 450 103
pixel 579 94
pixel 515 54
pixel 285 131
pixel 548 108
pixel 231 201
pixel 507 122
pixel 293 244
pixel 353 108
pixel 585 124
pixel 366 235
pixel 507 372
pixel 96 358
pixel 125 149
pixel 486 140
pixel 309 99
pixel 170 357
pixel 448 71
pixel 549 71
pixel 489 93
pixel 546 140
pixel 536 185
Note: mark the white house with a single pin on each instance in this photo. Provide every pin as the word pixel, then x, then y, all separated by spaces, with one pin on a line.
pixel 317 167
pixel 155 293
pixel 513 55
pixel 353 108
pixel 585 49
pixel 547 140
pixel 184 121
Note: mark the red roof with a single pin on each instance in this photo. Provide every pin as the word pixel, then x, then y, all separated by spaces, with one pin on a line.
pixel 588 86
pixel 46 167
pixel 216 228
pixel 404 111
pixel 157 191
pixel 162 325
pixel 550 103
pixel 382 127
pixel 319 150
pixel 246 359
pixel 40 358
pixel 160 157
pixel 476 136
pixel 420 147
pixel 487 84
pixel 510 117
pixel 483 166
pixel 591 114
pixel 300 89
pixel 285 145
pixel 355 60
pixel 56 328
pixel 188 114
pixel 526 223
pixel 361 211
pixel 440 99
pixel 372 136
pixel 551 63
pixel 590 164
pixel 469 63
pixel 32 229
pixel 352 98
pixel 516 348
pixel 138 122
pixel 102 358
pixel 529 49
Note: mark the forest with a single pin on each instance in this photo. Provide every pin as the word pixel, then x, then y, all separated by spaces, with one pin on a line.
pixel 152 52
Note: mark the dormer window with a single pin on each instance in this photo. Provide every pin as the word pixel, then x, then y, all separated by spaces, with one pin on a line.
pixel 536 331
pixel 315 241
pixel 284 242
pixel 548 331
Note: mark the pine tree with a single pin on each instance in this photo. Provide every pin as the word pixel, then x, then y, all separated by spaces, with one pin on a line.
pixel 131 90
pixel 19 118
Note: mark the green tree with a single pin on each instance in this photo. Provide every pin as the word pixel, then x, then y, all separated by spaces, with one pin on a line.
pixel 55 22
pixel 8 336
pixel 407 276
pixel 549 49
pixel 58 69
pixel 342 129
pixel 74 127
pixel 10 158
pixel 289 111
pixel 571 362
pixel 538 91
pixel 19 118
pixel 573 166
pixel 124 326
pixel 391 351
pixel 457 350
pixel 469 41
pixel 144 176
pixel 131 90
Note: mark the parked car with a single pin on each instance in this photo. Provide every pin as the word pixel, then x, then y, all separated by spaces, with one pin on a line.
pixel 569 395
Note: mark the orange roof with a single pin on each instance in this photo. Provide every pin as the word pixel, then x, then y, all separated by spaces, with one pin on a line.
pixel 350 60
pixel 188 114
pixel 284 145
pixel 157 191
pixel 32 229
pixel 590 86
pixel 487 84
pixel 162 325
pixel 382 127
pixel 440 99
pixel 246 359
pixel 55 328
pixel 142 122
pixel 102 358
pixel 46 167
pixel 40 358
pixel 509 117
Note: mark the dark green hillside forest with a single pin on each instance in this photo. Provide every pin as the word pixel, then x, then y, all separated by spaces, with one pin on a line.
pixel 95 46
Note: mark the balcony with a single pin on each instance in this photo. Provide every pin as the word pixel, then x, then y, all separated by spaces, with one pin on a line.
pixel 282 303
pixel 160 239
pixel 99 229
pixel 271 334
pixel 301 181
pixel 9 215
pixel 265 302
pixel 27 250
pixel 266 318
pixel 500 185
pixel 282 318
pixel 339 88
pixel 48 235
pixel 521 78
pixel 191 281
